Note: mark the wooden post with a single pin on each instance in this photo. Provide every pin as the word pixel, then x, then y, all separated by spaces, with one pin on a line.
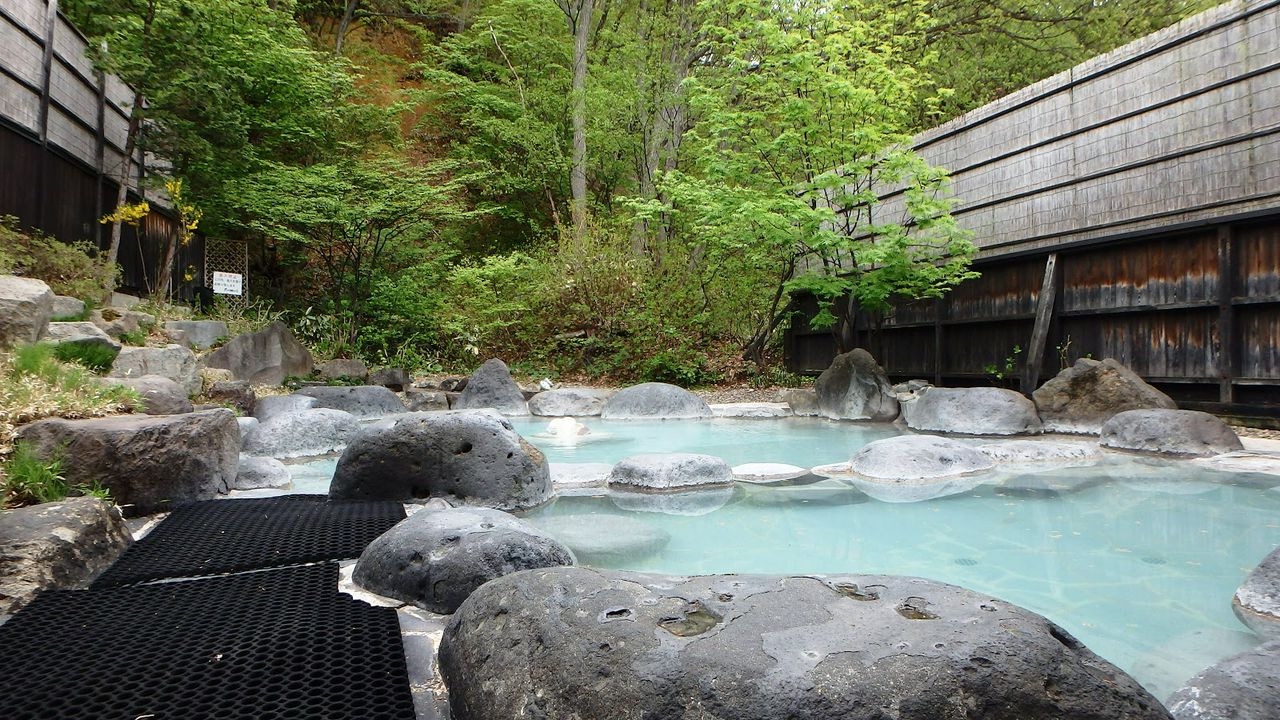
pixel 1040 332
pixel 938 306
pixel 1226 316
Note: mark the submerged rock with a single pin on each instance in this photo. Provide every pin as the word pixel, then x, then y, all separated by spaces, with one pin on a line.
pixel 491 386
pixel 656 401
pixel 667 472
pixel 1257 601
pixel 301 434
pixel 856 388
pixel 584 643
pixel 1170 432
pixel 473 456
pixel 973 411
pixel 605 539
pixel 1084 396
pixel 1242 687
pixel 688 502
pixel 435 559
pixel 56 546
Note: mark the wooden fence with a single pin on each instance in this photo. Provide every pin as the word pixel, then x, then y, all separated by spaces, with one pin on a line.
pixel 62 137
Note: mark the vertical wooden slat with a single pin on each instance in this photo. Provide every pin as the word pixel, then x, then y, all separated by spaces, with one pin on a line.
pixel 1040 331
pixel 46 80
pixel 938 306
pixel 1226 315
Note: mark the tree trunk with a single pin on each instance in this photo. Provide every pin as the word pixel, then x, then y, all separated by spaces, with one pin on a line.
pixel 165 281
pixel 581 26
pixel 122 193
pixel 344 25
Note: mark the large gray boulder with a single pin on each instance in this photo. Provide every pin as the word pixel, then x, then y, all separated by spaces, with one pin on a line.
pixel 491 386
pixel 26 305
pixel 363 401
pixel 160 395
pixel 56 546
pixel 272 405
pixel 474 457
pixel 304 433
pixel 253 473
pixel 1084 396
pixel 856 388
pixel 569 402
pixel 79 333
pixel 197 334
pixel 145 461
pixel 655 401
pixel 343 368
pixel 435 559
pixel 422 400
pixel 666 472
pixel 802 401
pixel 1242 687
pixel 974 411
pixel 171 361
pixel 583 643
pixel 605 539
pixel 1257 601
pixel 1186 433
pixel 265 357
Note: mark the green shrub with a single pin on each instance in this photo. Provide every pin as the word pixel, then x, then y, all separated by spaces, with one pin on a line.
pixel 96 356
pixel 30 479
pixel 73 269
pixel 134 337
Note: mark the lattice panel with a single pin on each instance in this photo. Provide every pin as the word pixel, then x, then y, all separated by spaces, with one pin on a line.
pixel 231 256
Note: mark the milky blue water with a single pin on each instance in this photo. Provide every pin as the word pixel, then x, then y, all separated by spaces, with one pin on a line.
pixel 1138 558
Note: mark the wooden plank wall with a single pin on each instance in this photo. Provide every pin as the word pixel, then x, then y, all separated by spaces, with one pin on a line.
pixel 62 134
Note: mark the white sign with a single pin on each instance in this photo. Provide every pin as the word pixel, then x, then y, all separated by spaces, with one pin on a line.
pixel 228 283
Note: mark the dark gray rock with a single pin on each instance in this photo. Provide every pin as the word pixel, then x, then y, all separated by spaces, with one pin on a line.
pixel 453 384
pixel 584 643
pixel 1084 396
pixel 1257 601
pixel 855 388
pixel 172 361
pixel 422 400
pixel 654 401
pixel 1169 432
pixel 265 357
pixel 255 472
pixel 474 457
pixel 145 461
pixel 160 395
pixel 451 397
pixel 605 539
pixel 236 393
pixel 569 402
pixel 396 379
pixel 1242 687
pixel 269 407
pixel 65 306
pixel 26 306
pixel 436 558
pixel 343 368
pixel 304 433
pixel 491 386
pixel 666 472
pixel 56 546
pixel 802 401
pixel 973 411
pixel 79 333
pixel 363 401
pixel 197 334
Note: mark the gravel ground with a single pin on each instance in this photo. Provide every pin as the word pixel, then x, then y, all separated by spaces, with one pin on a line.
pixel 741 393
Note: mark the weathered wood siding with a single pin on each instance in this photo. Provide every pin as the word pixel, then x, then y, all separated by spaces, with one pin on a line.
pixel 63 127
pixel 1152 173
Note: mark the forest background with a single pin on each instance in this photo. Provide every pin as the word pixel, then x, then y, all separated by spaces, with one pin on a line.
pixel 626 189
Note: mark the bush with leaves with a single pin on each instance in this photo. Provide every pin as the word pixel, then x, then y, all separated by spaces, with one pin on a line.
pixel 72 269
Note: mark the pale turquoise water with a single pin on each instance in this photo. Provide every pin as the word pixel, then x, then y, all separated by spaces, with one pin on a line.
pixel 1138 558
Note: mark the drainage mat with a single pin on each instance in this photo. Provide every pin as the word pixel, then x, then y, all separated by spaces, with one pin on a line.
pixel 255 646
pixel 223 536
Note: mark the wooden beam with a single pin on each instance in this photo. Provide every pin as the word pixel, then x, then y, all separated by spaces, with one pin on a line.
pixel 1226 316
pixel 1040 332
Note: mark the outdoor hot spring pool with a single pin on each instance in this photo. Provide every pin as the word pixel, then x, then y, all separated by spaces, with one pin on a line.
pixel 1137 557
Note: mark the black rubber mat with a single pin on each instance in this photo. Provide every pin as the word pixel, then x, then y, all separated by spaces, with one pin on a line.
pixel 223 536
pixel 255 646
